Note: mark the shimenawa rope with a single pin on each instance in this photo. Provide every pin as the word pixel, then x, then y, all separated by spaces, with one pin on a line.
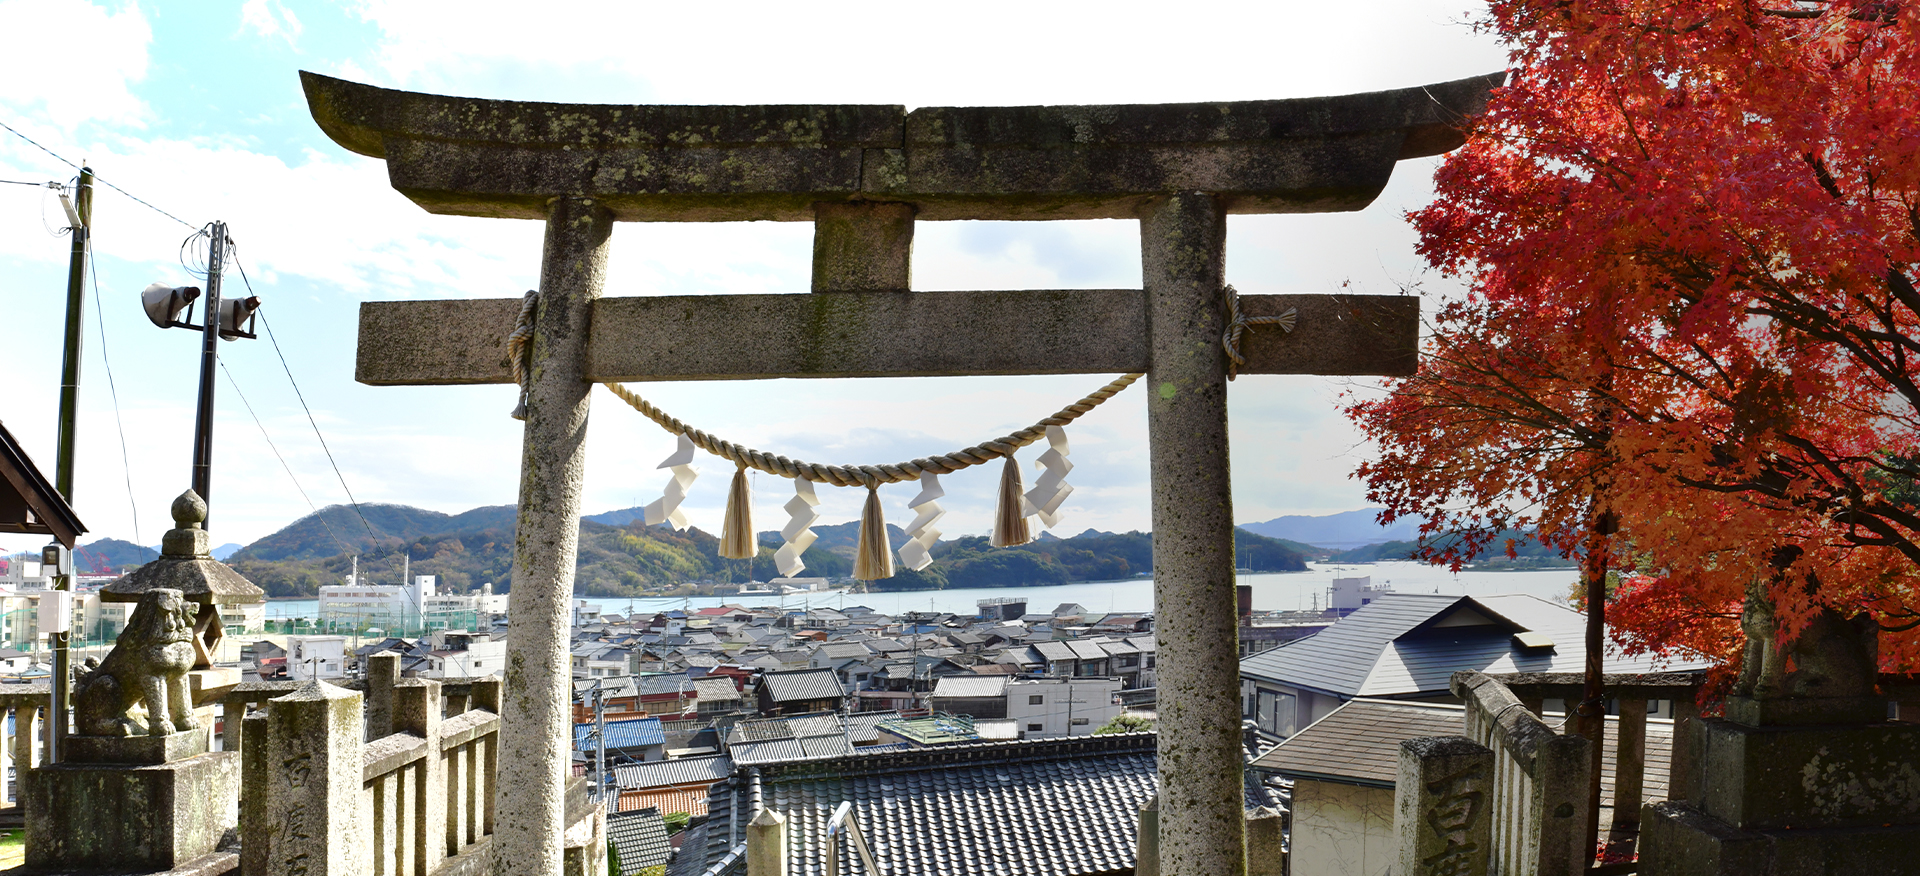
pixel 873 475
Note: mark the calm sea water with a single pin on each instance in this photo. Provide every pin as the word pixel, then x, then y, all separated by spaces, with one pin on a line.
pixel 1282 591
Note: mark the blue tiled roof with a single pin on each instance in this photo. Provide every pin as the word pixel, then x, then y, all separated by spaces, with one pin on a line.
pixel 629 733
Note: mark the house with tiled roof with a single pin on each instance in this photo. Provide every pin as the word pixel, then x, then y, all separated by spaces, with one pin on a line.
pixel 1061 807
pixel 806 690
pixel 1408 645
pixel 1344 770
pixel 678 785
pixel 639 839
pixel 630 739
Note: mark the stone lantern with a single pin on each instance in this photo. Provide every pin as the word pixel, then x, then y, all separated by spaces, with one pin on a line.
pixel 186 565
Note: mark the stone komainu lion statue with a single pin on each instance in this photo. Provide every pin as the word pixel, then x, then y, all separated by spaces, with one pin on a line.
pixel 148 664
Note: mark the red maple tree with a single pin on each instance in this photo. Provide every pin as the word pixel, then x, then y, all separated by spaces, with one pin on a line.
pixel 1689 231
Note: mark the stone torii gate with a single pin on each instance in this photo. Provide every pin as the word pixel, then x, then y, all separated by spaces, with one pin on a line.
pixel 863 175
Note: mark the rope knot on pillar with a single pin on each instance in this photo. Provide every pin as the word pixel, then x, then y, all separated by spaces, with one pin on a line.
pixel 1237 322
pixel 517 343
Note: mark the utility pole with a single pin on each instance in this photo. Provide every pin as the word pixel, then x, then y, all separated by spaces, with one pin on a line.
pixel 209 357
pixel 68 438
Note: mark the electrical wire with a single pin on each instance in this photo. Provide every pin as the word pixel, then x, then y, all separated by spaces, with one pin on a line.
pixel 276 452
pixel 96 177
pixel 15 182
pixel 303 406
pixel 99 315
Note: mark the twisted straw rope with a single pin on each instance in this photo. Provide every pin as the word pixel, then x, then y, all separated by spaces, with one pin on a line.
pixel 517 343
pixel 1237 323
pixel 873 475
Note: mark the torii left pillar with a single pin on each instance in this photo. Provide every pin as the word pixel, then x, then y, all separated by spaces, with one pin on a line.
pixel 553 466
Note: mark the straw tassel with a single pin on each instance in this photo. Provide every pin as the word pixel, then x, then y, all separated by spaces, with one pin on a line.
pixel 736 529
pixel 1009 514
pixel 873 560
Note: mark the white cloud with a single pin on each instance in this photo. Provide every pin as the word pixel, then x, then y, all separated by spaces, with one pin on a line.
pixel 68 62
pixel 268 18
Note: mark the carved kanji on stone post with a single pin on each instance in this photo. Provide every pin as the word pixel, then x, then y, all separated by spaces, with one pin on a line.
pixel 864 175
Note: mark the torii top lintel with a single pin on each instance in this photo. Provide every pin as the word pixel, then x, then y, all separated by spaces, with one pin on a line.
pixel 500 158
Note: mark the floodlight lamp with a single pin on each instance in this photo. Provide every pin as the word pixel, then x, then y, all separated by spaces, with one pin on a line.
pixel 234 312
pixel 163 304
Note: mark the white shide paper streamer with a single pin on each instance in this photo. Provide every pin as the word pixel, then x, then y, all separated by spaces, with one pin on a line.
pixel 917 552
pixel 667 507
pixel 802 508
pixel 1051 488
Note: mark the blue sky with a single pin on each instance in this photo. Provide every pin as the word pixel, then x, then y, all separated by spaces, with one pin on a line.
pixel 196 107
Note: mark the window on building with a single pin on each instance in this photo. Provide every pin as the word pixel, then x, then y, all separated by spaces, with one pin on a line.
pixel 1036 699
pixel 1079 721
pixel 1035 728
pixel 1277 713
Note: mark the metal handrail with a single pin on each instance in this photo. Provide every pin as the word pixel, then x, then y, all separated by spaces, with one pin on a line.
pixel 844 823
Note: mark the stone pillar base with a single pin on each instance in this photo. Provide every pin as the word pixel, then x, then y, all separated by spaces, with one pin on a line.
pixel 1762 778
pixel 1678 840
pixel 129 818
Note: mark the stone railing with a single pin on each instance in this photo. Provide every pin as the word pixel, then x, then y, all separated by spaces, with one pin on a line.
pixel 1537 794
pixel 398 781
pixel 1632 693
pixel 26 742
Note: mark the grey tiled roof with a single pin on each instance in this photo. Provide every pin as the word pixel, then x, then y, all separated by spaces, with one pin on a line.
pixel 682 771
pixel 804 684
pixel 787 750
pixel 1359 743
pixel 1055 651
pixel 718 688
pixel 1390 647
pixel 864 727
pixel 971 686
pixel 1049 807
pixel 641 838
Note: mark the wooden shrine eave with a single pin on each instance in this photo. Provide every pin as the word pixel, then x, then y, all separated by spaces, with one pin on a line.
pixel 28 501
pixel 875 334
pixel 475 157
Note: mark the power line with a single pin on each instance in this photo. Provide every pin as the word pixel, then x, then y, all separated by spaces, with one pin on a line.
pixel 309 411
pixel 99 315
pixel 15 182
pixel 276 453
pixel 96 177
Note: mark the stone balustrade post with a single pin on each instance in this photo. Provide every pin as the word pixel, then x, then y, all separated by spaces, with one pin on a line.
pixel 417 710
pixel 1630 761
pixel 1442 807
pixel 1146 845
pixel 302 812
pixel 383 672
pixel 485 694
pixel 1266 843
pixel 767 844
pixel 26 747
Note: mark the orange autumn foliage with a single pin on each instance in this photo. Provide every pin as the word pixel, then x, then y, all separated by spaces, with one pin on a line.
pixel 1689 231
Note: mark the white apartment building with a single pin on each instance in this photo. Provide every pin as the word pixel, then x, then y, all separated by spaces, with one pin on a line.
pixel 405 609
pixel 310 657
pixel 1044 707
pixel 461 654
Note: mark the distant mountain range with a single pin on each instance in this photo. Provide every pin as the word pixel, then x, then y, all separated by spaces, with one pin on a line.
pixel 621 556
pixel 1347 529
